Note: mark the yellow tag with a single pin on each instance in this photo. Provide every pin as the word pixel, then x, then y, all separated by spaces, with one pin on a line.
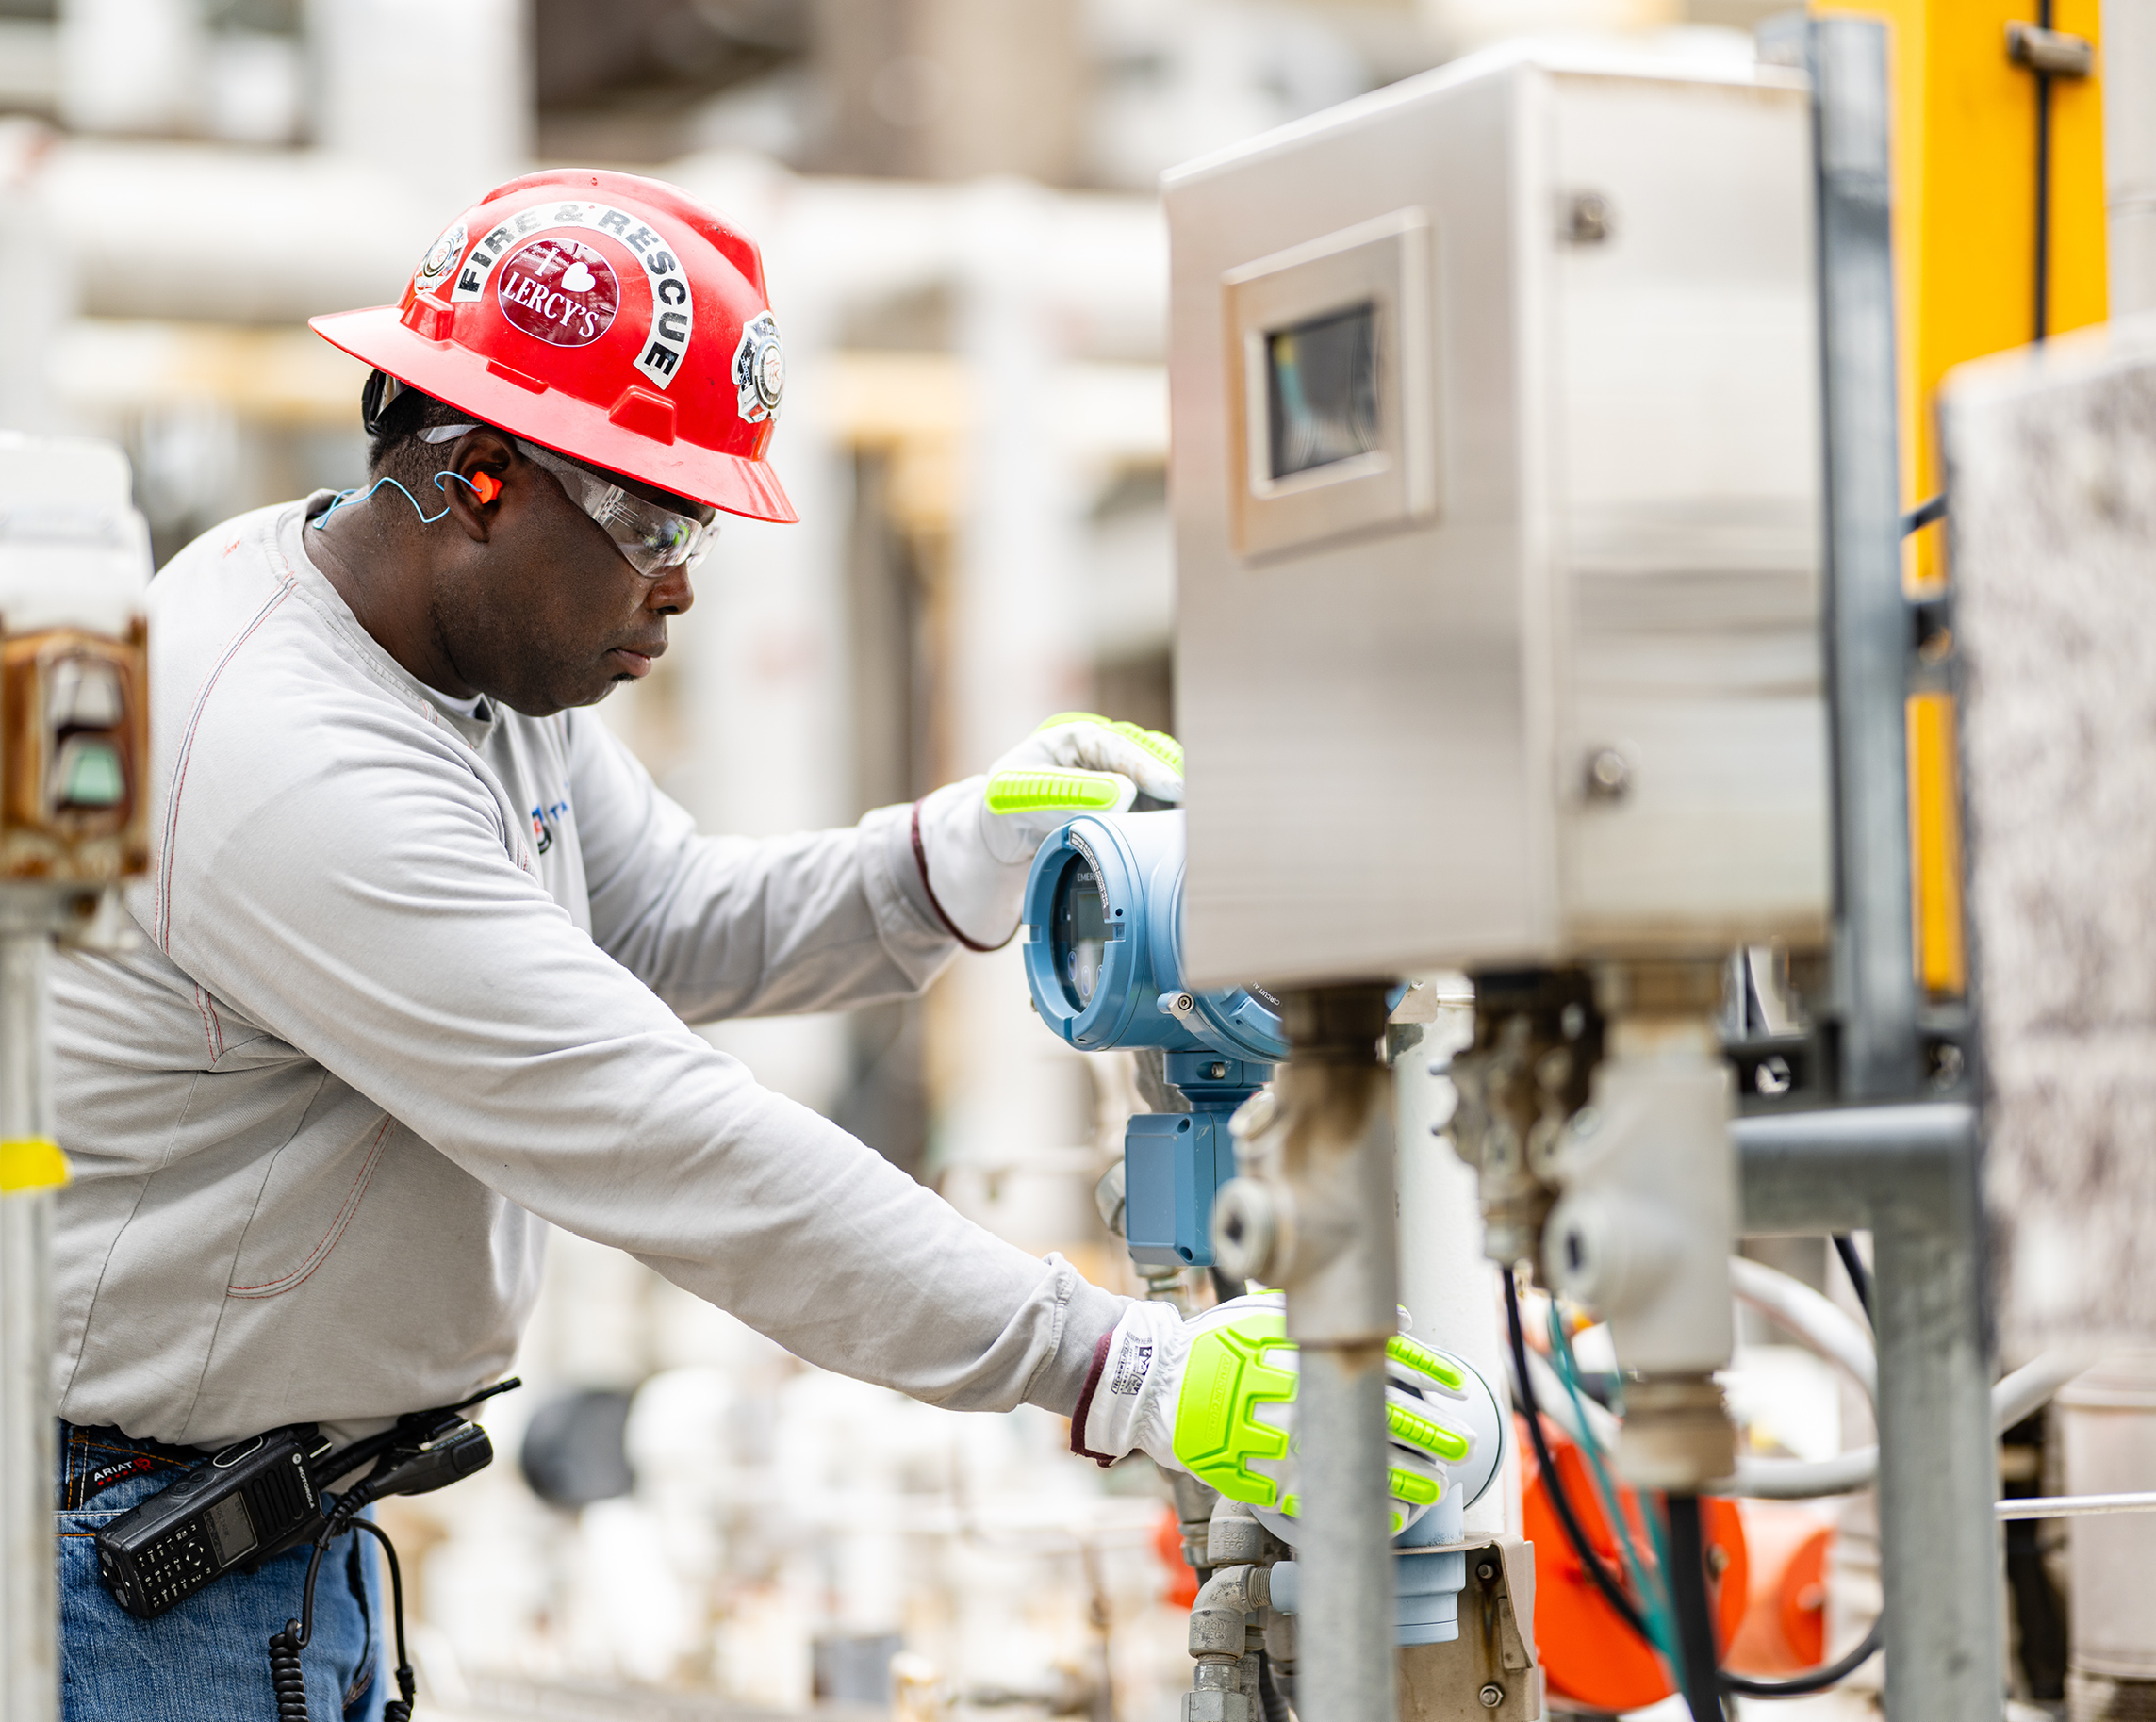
pixel 31 1162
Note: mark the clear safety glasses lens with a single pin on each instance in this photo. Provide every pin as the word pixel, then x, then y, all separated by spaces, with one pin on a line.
pixel 652 539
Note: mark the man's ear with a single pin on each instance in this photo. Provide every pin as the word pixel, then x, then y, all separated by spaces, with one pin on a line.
pixel 477 481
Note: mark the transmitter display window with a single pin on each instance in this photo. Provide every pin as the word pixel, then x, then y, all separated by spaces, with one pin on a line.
pixel 1321 391
pixel 231 1528
pixel 1081 931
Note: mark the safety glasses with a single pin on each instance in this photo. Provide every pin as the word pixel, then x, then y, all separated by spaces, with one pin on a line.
pixel 651 539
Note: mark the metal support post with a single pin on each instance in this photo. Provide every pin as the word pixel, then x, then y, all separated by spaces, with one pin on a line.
pixel 1337 1146
pixel 1867 642
pixel 29 1657
pixel 1345 1665
pixel 1909 1175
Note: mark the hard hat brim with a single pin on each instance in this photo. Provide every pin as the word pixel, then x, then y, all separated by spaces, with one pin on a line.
pixel 554 419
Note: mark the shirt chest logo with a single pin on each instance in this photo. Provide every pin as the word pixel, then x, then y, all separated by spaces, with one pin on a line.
pixel 547 823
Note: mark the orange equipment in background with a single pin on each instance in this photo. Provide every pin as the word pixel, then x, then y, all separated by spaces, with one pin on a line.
pixel 1785 1630
pixel 1767 1562
pixel 1168 1544
pixel 1588 1655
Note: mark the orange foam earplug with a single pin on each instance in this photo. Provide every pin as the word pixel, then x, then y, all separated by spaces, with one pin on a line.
pixel 487 485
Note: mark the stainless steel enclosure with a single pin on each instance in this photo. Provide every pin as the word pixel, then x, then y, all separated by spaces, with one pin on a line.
pixel 1496 481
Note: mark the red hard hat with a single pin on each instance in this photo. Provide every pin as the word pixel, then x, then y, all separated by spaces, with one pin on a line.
pixel 609 318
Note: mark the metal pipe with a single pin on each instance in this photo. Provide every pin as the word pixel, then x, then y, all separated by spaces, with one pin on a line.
pixel 1346 1656
pixel 29 1657
pixel 1909 1175
pixel 1336 1104
pixel 1868 627
pixel 2073 1506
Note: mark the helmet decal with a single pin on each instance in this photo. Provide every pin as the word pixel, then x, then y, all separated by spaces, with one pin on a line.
pixel 441 259
pixel 759 368
pixel 563 292
pixel 673 311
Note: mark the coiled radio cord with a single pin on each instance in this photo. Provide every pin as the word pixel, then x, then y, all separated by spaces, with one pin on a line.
pixel 288 1679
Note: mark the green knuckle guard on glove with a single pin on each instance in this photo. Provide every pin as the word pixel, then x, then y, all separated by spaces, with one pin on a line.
pixel 1214 1396
pixel 976 839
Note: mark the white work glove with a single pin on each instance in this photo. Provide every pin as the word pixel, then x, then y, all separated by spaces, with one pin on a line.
pixel 1215 1396
pixel 974 840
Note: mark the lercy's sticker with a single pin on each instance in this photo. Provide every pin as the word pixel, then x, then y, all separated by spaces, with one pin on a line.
pixel 560 292
pixel 673 308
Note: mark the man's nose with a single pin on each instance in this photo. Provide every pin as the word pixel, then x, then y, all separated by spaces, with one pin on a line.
pixel 671 594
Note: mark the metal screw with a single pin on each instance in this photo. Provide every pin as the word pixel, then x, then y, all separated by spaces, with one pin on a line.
pixel 1184 1004
pixel 1492 1696
pixel 1214 1073
pixel 1717 1560
pixel 1485 1571
pixel 1609 776
pixel 1589 220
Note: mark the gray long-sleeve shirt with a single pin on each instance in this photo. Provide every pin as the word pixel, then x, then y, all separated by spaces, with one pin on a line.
pixel 413 985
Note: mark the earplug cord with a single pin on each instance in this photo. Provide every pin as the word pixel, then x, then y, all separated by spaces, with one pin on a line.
pixel 352 498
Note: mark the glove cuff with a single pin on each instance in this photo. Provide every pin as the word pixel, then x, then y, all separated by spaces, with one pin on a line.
pixel 1115 1409
pixel 964 884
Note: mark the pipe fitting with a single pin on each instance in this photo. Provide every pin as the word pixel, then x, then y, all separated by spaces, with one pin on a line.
pixel 1218 1615
pixel 1253 1229
pixel 1234 1537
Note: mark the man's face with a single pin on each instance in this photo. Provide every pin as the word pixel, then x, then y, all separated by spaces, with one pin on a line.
pixel 547 612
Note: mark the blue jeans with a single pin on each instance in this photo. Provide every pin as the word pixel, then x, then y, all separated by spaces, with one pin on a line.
pixel 208 1659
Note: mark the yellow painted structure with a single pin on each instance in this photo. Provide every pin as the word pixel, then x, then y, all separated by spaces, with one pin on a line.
pixel 1964 236
pixel 1965 203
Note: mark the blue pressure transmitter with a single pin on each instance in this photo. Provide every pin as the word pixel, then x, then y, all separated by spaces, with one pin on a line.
pixel 1103 923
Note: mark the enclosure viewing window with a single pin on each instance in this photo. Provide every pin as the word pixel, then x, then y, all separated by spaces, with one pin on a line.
pixel 1332 387
pixel 1322 391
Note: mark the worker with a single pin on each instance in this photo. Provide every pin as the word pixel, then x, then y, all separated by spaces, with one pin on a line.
pixel 421 942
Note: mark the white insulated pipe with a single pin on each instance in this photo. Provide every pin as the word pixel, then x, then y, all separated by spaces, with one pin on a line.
pixel 2011 1399
pixel 1825 1328
pixel 1447 1286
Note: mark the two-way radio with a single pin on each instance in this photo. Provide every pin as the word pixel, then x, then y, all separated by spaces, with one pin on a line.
pixel 263 1495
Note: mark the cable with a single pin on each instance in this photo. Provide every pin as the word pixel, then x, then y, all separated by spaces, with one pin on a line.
pixel 1919 518
pixel 1612 1593
pixel 1646 1587
pixel 1803 1686
pixel 1800 1685
pixel 1859 1276
pixel 287 1678
pixel 1271 1702
pixel 1688 1576
pixel 396 1709
pixel 1833 1674
pixel 352 499
pixel 2043 271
